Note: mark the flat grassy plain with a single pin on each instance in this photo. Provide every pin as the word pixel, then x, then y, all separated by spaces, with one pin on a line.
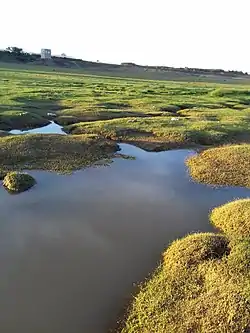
pixel 126 72
pixel 152 114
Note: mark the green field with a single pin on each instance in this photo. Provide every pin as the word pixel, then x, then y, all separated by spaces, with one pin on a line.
pixel 152 114
pixel 109 70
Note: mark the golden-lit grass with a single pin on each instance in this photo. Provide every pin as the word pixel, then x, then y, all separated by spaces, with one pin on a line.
pixel 233 218
pixel 202 284
pixel 227 165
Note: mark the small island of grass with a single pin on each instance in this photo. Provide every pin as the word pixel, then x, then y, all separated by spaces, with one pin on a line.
pixel 233 218
pixel 17 182
pixel 226 165
pixel 202 284
pixel 61 153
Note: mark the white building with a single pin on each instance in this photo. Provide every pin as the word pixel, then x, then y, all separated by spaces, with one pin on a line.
pixel 45 54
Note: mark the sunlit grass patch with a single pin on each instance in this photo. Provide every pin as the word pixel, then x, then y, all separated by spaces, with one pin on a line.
pixel 227 165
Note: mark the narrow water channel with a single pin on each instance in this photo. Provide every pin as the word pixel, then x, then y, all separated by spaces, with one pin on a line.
pixel 47 129
pixel 72 247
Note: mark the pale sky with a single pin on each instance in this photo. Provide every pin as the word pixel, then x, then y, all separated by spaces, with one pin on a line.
pixel 193 33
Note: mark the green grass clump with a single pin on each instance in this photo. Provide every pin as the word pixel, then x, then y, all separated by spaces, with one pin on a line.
pixel 194 249
pixel 171 131
pixel 18 182
pixel 202 284
pixel 60 153
pixel 233 218
pixel 170 108
pixel 227 165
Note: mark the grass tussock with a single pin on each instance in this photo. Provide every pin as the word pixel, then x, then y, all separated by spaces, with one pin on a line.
pixel 233 218
pixel 202 284
pixel 53 152
pixel 227 165
pixel 17 182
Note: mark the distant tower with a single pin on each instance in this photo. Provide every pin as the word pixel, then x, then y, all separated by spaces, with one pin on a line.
pixel 45 54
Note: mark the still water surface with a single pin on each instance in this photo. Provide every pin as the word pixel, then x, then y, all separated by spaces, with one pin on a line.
pixel 47 129
pixel 72 247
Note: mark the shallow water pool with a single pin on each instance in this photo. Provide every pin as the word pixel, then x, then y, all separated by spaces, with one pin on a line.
pixel 51 128
pixel 72 247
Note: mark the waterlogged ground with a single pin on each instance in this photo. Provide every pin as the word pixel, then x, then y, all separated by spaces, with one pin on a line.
pixel 162 113
pixel 72 247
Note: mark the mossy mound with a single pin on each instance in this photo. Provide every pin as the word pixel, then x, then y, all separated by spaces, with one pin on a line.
pixel 207 293
pixel 194 249
pixel 170 108
pixel 62 153
pixel 233 218
pixel 18 182
pixel 228 165
pixel 202 284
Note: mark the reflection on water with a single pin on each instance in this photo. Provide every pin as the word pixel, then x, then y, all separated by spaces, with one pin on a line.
pixel 48 129
pixel 72 246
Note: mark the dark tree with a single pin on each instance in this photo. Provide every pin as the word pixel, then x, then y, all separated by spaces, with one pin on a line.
pixel 15 50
